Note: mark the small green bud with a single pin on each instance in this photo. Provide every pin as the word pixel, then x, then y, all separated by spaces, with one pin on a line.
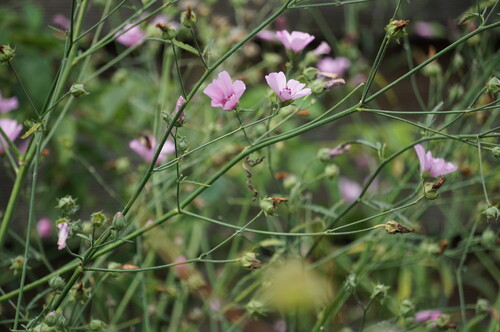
pixel 188 18
pixel 310 73
pixel 87 228
pixel 97 325
pixel 256 308
pixel 429 248
pixel 67 205
pixel 493 86
pixel 317 86
pixel 182 144
pixel 488 238
pixel 76 227
pixel 249 261
pixel 57 283
pixel 433 69
pixel 119 221
pixel 267 206
pixel 98 219
pixel 456 91
pixel 492 212
pixel 290 181
pixel 332 171
pixel 396 28
pixel 6 53
pixel 51 319
pixel 457 61
pixel 16 264
pixel 496 152
pixel 407 308
pixel 430 192
pixel 379 291
pixel 78 90
pixel 482 306
pixel 324 155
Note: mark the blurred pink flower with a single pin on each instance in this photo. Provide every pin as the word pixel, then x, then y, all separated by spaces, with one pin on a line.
pixel 130 35
pixel 424 29
pixel 424 316
pixel 349 190
pixel 182 118
pixel 224 92
pixel 435 166
pixel 181 270
pixel 358 79
pixel 12 129
pixel 44 227
pixel 8 104
pixel 290 90
pixel 322 49
pixel 146 146
pixel 266 35
pixel 63 232
pixel 338 150
pixel 61 21
pixel 296 41
pixel 336 66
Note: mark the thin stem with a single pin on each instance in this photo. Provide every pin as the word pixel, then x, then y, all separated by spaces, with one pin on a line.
pixel 193 34
pixel 242 127
pixel 23 87
pixel 481 171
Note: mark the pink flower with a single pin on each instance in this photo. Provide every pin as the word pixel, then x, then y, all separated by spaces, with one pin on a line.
pixel 322 49
pixel 181 119
pixel 61 21
pixel 424 316
pixel 290 90
pixel 130 35
pixel 8 104
pixel 12 129
pixel 182 271
pixel 435 166
pixel 63 232
pixel 337 151
pixel 266 35
pixel 146 146
pixel 336 66
pixel 44 227
pixel 424 30
pixel 296 41
pixel 224 92
pixel 349 190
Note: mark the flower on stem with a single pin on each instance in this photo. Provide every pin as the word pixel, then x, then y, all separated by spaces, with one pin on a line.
pixel 146 146
pixel 337 66
pixel 44 227
pixel 290 90
pixel 424 316
pixel 63 232
pixel 435 166
pixel 12 129
pixel 295 41
pixel 61 21
pixel 224 92
pixel 8 104
pixel 130 35
pixel 322 49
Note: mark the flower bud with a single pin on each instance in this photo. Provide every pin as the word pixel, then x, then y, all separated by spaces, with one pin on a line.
pixel 407 308
pixel 51 319
pixel 332 171
pixel 310 73
pixel 56 283
pixel 249 261
pixel 98 219
pixel 493 86
pixel 393 227
pixel 396 28
pixel 182 144
pixel 379 291
pixel 430 192
pixel 119 221
pixel 482 306
pixel 496 152
pixel 492 212
pixel 6 53
pixel 256 308
pixel 16 264
pixel 433 69
pixel 67 205
pixel 76 226
pixel 488 238
pixel 457 61
pixel 290 181
pixel 188 18
pixel 78 90
pixel 87 228
pixel 97 325
pixel 267 206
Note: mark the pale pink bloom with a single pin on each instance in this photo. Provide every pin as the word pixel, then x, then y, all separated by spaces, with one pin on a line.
pixel 146 146
pixel 424 29
pixel 322 49
pixel 435 166
pixel 130 35
pixel 424 316
pixel 224 93
pixel 63 232
pixel 181 270
pixel 295 41
pixel 349 190
pixel 266 35
pixel 8 104
pixel 336 66
pixel 61 21
pixel 182 118
pixel 279 326
pixel 44 227
pixel 290 90
pixel 337 151
pixel 12 129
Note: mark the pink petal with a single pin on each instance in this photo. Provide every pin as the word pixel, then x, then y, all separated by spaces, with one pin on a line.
pixel 295 86
pixel 12 129
pixel 225 84
pixel 421 156
pixel 302 93
pixel 277 81
pixel 239 87
pixel 63 230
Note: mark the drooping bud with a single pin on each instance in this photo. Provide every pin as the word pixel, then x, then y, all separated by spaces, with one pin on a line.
pixel 78 90
pixel 6 53
pixel 188 18
pixel 98 219
pixel 393 227
pixel 249 261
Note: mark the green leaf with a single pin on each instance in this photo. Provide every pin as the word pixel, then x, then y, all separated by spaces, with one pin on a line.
pixel 185 47
pixel 32 129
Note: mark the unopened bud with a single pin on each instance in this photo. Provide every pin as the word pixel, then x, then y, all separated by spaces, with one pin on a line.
pixel 97 325
pixel 188 18
pixel 496 152
pixel 396 28
pixel 267 206
pixel 430 192
pixel 433 69
pixel 310 73
pixel 16 264
pixel 51 319
pixel 493 86
pixel 492 212
pixel 119 221
pixel 393 227
pixel 290 181
pixel 379 291
pixel 78 90
pixel 249 261
pixel 457 61
pixel 67 205
pixel 56 283
pixel 442 321
pixel 407 308
pixel 332 171
pixel 482 306
pixel 98 219
pixel 182 144
pixel 488 238
pixel 6 53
